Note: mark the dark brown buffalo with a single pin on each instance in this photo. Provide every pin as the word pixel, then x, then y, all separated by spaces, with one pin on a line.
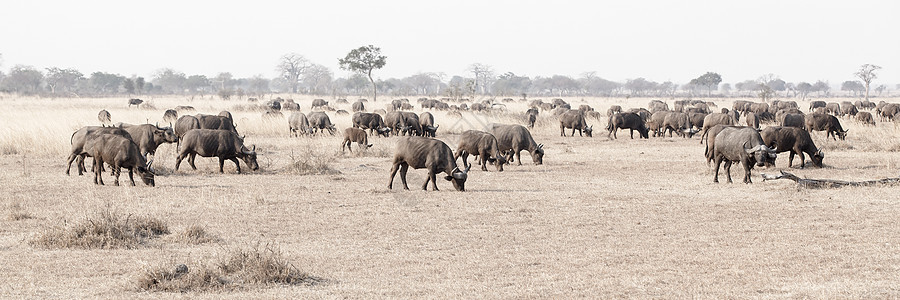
pixel 629 121
pixel 104 117
pixel 827 123
pixel 320 122
pixel 170 116
pixel 148 137
pixel 657 119
pixel 574 119
pixel 319 103
pixel 430 154
pixel 512 139
pixel 864 104
pixel 411 124
pixel 679 123
pixel 833 108
pixel 216 122
pixel 740 145
pixel 794 120
pixel 481 144
pixel 80 137
pixel 299 124
pixel 135 102
pixel 656 105
pixel 355 135
pixel 358 106
pixel 888 111
pixel 816 104
pixel 795 140
pixel 741 105
pixel 848 109
pixel 223 144
pixel 865 118
pixel 119 152
pixel 184 124
pixel 716 119
pixel 585 108
pixel 711 140
pixel 372 122
pixel 426 120
pixel 752 120
pixel 613 109
pixel 394 121
pixel 697 119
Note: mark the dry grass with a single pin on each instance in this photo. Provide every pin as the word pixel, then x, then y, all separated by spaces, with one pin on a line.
pixel 195 235
pixel 600 218
pixel 104 230
pixel 18 213
pixel 239 268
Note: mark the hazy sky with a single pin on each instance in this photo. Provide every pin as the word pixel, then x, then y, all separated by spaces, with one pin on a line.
pixel 659 40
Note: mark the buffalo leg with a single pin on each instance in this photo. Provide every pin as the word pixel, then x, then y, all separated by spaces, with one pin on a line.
pixel 632 132
pixel 393 172
pixel 562 130
pixel 747 167
pixel 221 164
pixel 728 171
pixel 427 179
pixel 791 160
pixel 403 168
pixel 131 175
pixel 483 160
pixel 116 170
pixel 236 165
pixel 69 163
pixel 191 160
pixel 519 156
pixel 718 164
pixel 98 177
pixel 178 160
pixel 802 159
pixel 433 178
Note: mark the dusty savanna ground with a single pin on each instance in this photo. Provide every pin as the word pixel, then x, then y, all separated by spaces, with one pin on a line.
pixel 601 218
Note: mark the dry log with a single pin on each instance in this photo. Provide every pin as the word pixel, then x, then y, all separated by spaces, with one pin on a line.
pixel 828 183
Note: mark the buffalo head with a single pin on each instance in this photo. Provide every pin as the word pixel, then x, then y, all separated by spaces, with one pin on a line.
pixel 762 154
pixel 249 157
pixel 458 178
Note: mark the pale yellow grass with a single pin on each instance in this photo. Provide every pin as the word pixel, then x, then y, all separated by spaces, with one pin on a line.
pixel 601 218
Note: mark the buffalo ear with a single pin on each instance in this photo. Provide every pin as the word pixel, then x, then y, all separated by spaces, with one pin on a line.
pixel 254 149
pixel 448 177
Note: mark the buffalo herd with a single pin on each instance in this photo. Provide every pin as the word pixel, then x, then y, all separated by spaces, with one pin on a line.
pixel 732 136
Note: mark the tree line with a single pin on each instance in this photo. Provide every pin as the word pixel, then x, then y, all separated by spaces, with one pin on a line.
pixel 298 75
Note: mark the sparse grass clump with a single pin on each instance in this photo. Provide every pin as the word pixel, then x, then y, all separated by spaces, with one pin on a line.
pixel 105 230
pixel 18 213
pixel 312 163
pixel 195 235
pixel 253 266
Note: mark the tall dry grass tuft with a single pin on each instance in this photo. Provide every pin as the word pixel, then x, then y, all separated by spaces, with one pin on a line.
pixel 105 230
pixel 312 161
pixel 196 234
pixel 252 266
pixel 18 213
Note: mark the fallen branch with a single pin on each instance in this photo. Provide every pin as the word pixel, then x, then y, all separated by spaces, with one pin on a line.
pixel 828 183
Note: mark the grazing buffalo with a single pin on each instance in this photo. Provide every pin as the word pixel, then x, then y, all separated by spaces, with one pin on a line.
pixel 426 121
pixel 816 104
pixel 679 123
pixel 319 121
pixel 833 108
pixel 714 119
pixel 181 109
pixel 743 145
pixel 216 122
pixel 358 106
pixel 394 120
pixel 290 105
pixel 427 153
pixel 656 105
pixel 355 135
pixel 223 144
pixel 148 137
pixel 574 119
pixel 827 123
pixel 271 115
pixel 795 140
pixel 184 124
pixel 104 117
pixel 319 103
pixel 135 102
pixel 864 104
pixel 341 112
pixel 119 152
pixel 656 121
pixel 613 109
pixel 299 124
pixel 629 121
pixel 888 111
pixel 848 108
pixel 80 137
pixel 170 116
pixel 482 144
pixel 411 124
pixel 794 120
pixel 752 120
pixel 865 118
pixel 372 122
pixel 515 138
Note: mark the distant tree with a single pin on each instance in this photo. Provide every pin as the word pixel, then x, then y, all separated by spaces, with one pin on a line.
pixel 128 85
pixel 709 80
pixel 725 88
pixel 139 84
pixel 364 60
pixel 62 80
pixel 765 92
pixel 822 88
pixel 803 89
pixel 105 83
pixel 223 80
pixel 595 85
pixel 880 89
pixel 640 86
pixel 483 73
pixel 257 85
pixel 170 80
pixel 511 84
pixel 196 83
pixel 23 79
pixel 867 73
pixel 291 66
pixel 853 86
pixel 317 78
pixel 778 85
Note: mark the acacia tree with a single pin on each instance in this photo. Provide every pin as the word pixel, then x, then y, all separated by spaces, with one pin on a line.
pixel 710 81
pixel 363 60
pixel 867 74
pixel 482 74
pixel 292 66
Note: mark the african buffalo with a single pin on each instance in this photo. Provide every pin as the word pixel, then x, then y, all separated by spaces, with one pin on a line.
pixel 104 117
pixel 431 154
pixel 355 135
pixel 827 123
pixel 223 144
pixel 743 145
pixel 865 118
pixel 372 122
pixel 319 121
pixel 481 144
pixel 80 137
pixel 515 138
pixel 299 124
pixel 795 140
pixel 630 121
pixel 119 152
pixel 574 119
